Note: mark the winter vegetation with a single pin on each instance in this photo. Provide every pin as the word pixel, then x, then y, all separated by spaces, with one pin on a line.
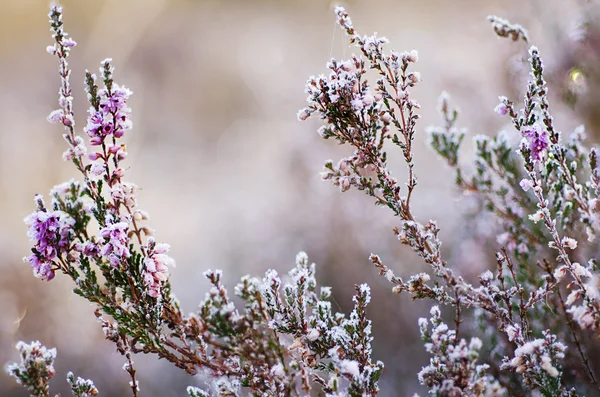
pixel 528 326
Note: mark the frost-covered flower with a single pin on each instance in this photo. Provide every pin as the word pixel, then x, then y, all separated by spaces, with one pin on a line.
pixel 116 242
pixel 156 267
pixel 538 140
pixel 35 369
pixel 111 117
pixel 526 184
pixel 51 233
pixel 569 242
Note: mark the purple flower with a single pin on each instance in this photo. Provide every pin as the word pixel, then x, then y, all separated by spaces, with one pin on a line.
pixel 116 242
pixel 537 138
pixel 501 109
pixel 51 233
pixel 157 264
pixel 112 117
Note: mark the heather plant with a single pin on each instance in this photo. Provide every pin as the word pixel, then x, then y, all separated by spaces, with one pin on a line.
pixel 527 326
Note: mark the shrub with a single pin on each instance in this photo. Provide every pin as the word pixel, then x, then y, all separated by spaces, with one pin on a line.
pixel 540 305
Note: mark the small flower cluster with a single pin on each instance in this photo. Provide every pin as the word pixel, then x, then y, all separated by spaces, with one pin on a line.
pixel 35 369
pixel 453 370
pixel 109 114
pixel 51 233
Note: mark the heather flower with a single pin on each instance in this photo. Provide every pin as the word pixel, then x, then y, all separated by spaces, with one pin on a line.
pixel 501 109
pixel 538 140
pixel 111 116
pixel 115 244
pixel 156 267
pixel 51 233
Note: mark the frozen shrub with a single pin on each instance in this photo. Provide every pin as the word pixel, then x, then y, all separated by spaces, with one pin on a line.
pixel 540 303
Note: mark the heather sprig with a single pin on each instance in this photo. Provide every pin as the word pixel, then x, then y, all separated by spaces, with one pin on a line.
pixel 35 369
pixel 284 341
pixel 528 276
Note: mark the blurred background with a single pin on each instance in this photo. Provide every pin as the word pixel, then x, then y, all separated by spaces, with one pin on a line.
pixel 228 174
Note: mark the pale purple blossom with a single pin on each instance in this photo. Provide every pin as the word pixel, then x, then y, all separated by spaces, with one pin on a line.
pixel 51 233
pixel 115 244
pixel 156 267
pixel 111 117
pixel 537 139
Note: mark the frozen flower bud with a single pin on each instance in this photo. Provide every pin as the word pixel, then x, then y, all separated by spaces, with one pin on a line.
pixel 344 183
pixel 412 56
pixel 94 156
pixel 560 272
pixel 443 102
pixel 501 109
pixel 51 49
pixel 513 332
pixel 414 77
pixel 538 216
pixel 56 116
pixel 303 114
pixel 573 296
pixel 97 169
pixel 68 42
pixel 526 184
pixel 368 100
pixel 569 242
pixel 580 271
pixel 475 344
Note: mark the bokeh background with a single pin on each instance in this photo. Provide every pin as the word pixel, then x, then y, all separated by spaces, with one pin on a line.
pixel 228 174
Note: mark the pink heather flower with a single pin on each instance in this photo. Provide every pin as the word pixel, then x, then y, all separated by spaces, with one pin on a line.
pixel 56 116
pixel 156 270
pixel 112 117
pixel 97 169
pixel 501 109
pixel 125 193
pixel 51 233
pixel 91 249
pixel 537 138
pixel 116 241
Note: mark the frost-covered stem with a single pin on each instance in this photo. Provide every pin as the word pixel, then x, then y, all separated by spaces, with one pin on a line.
pixel 551 226
pixel 554 136
pixel 522 308
pixel 61 49
pixel 500 275
pixel 584 358
pixel 130 368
